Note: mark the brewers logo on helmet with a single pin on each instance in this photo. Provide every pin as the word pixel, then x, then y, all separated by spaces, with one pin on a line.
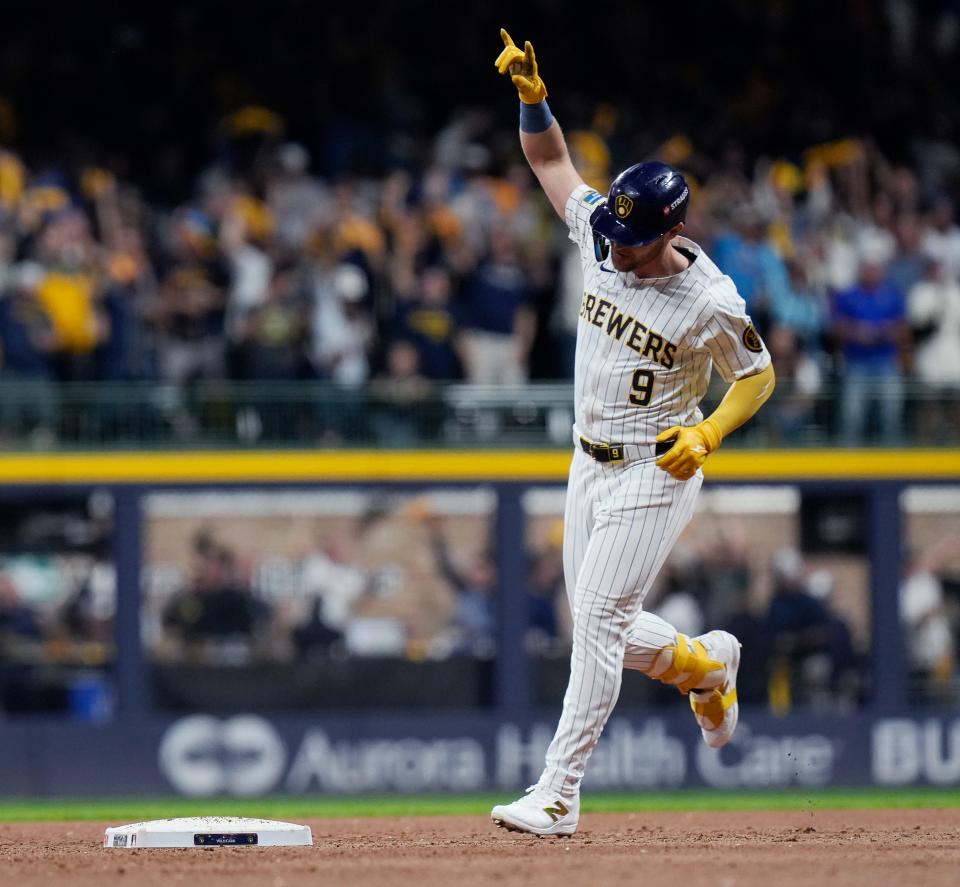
pixel 623 205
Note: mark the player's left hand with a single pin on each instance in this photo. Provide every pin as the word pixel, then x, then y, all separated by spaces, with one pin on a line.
pixel 689 451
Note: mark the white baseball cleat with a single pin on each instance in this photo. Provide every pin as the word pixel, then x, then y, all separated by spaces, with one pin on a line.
pixel 539 812
pixel 717 709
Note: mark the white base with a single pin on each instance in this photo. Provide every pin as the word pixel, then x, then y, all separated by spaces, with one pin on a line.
pixel 208 831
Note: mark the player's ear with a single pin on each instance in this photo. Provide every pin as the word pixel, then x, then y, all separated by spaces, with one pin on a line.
pixel 676 229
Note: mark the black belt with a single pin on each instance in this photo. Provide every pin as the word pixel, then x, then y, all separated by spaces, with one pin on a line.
pixel 602 452
pixel 618 452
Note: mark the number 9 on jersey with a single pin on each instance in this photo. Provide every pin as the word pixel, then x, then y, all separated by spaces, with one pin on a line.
pixel 642 388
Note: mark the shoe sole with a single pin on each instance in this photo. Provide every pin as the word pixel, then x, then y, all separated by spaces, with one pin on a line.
pixel 505 823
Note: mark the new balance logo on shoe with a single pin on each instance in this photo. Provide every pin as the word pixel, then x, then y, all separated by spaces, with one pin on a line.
pixel 559 809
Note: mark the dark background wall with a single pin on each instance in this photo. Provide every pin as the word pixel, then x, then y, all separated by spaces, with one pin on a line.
pixel 144 88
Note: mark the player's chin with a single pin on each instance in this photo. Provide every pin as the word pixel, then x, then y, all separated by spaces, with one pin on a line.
pixel 622 259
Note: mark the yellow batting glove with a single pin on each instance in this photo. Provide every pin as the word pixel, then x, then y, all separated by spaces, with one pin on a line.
pixel 690 449
pixel 522 67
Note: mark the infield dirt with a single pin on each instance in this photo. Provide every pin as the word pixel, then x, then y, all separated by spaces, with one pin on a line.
pixel 907 848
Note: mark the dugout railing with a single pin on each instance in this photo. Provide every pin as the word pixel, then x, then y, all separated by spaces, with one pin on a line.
pixel 38 415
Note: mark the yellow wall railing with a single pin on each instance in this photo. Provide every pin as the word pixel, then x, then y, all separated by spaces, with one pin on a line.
pixel 300 466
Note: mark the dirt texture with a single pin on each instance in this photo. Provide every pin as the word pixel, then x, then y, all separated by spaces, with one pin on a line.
pixel 907 848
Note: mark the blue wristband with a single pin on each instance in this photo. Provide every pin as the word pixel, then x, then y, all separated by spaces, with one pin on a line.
pixel 535 118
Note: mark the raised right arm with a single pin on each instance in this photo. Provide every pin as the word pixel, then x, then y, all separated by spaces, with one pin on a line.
pixel 540 135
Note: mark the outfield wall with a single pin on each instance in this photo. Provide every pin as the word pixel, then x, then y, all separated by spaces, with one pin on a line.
pixel 139 750
pixel 250 755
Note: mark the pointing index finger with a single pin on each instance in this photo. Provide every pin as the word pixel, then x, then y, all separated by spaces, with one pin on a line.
pixel 507 39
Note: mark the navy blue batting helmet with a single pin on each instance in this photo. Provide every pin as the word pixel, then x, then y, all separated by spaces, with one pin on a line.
pixel 645 202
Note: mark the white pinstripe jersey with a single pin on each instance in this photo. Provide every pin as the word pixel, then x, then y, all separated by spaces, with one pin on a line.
pixel 646 346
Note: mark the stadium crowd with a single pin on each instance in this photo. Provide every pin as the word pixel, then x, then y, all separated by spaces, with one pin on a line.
pixel 254 221
pixel 850 267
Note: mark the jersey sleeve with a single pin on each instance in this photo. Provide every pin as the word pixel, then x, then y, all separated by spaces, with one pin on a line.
pixel 581 203
pixel 732 340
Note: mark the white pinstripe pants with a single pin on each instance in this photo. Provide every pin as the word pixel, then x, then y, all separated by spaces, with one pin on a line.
pixel 620 523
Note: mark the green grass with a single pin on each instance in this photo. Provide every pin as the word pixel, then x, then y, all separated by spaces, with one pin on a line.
pixel 122 810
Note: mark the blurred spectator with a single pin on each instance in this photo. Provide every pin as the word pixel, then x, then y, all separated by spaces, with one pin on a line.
pixel 800 380
pixel 801 307
pixel 27 342
pixel 809 648
pixel 397 397
pixel 216 617
pixel 126 354
pixel 270 336
pixel 942 240
pixel 335 582
pixel 745 255
pixel 299 203
pixel 842 684
pixel 742 620
pixel 498 319
pixel 244 229
pixel 931 641
pixel 8 253
pixel 875 235
pixel 546 591
pixel 312 634
pixel 191 309
pixel 354 234
pixel 870 324
pixel 340 326
pixel 933 306
pixel 20 636
pixel 908 264
pixel 18 622
pixel 728 572
pixel 69 293
pixel 474 623
pixel 431 325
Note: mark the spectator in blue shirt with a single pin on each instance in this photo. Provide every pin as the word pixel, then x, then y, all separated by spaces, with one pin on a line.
pixel 870 324
pixel 801 307
pixel 748 259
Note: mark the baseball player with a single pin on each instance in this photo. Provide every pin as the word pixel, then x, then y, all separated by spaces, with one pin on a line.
pixel 656 316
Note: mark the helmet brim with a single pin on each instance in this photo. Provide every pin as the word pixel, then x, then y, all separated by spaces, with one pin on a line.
pixel 605 223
